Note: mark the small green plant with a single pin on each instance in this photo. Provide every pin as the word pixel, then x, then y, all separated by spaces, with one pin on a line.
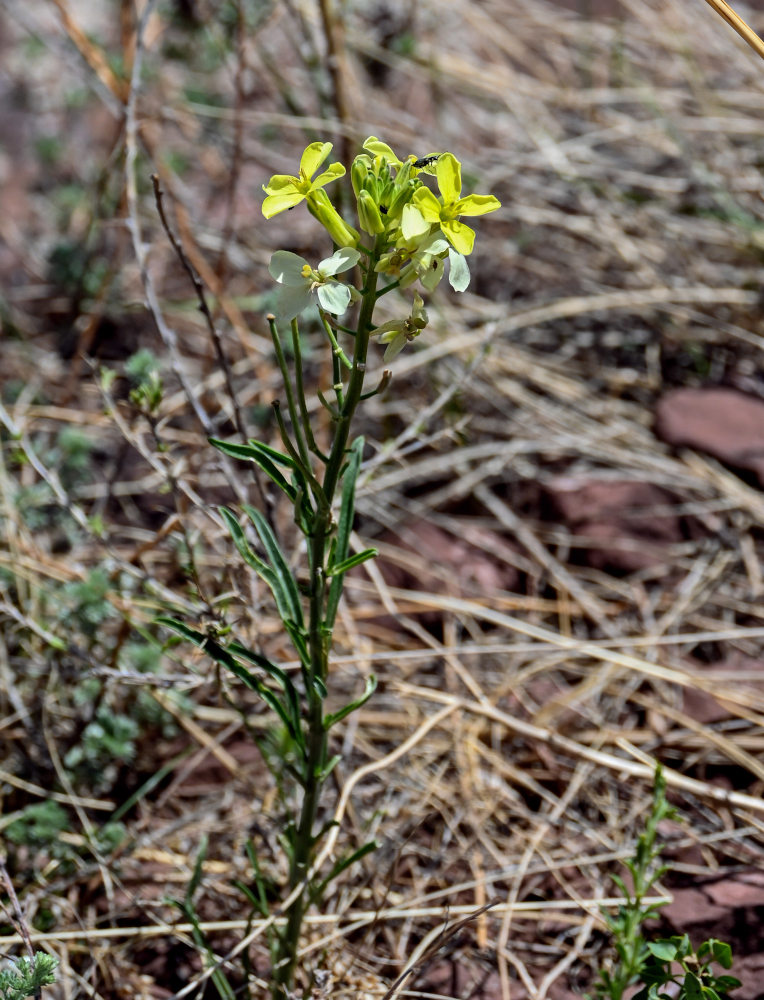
pixel 662 963
pixel 408 235
pixel 142 369
pixel 39 826
pixel 694 979
pixel 25 977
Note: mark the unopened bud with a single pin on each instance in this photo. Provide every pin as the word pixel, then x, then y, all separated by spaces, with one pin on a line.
pixel 369 215
pixel 402 196
pixel 359 172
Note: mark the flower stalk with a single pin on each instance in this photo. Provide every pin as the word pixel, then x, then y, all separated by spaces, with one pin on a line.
pixel 408 235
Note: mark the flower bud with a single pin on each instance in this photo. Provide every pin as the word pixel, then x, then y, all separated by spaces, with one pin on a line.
pixel 359 172
pixel 369 215
pixel 402 196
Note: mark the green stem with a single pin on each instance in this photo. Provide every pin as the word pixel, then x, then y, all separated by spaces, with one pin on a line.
pixel 296 428
pixel 336 349
pixel 319 644
pixel 300 387
pixel 357 375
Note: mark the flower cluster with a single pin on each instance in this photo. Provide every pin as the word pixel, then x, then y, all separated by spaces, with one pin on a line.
pixel 407 231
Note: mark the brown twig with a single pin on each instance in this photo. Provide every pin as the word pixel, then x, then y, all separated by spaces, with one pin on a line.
pixel 748 35
pixel 203 306
pixel 15 914
pixel 435 945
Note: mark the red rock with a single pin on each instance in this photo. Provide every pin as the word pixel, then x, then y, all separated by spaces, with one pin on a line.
pixel 724 423
pixel 458 566
pixel 691 907
pixel 704 707
pixel 741 890
pixel 617 515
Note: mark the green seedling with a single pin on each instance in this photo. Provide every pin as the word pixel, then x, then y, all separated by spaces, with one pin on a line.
pixel 25 977
pixel 666 969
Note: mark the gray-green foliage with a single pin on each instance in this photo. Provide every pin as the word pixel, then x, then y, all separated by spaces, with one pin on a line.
pixel 39 825
pixel 70 456
pixel 109 737
pixel 25 977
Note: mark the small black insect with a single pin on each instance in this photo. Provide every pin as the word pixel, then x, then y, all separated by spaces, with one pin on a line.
pixel 425 161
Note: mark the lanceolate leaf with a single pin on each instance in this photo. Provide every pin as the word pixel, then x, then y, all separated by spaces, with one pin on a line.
pixel 276 573
pixel 263 456
pixel 278 674
pixel 297 635
pixel 253 450
pixel 340 867
pixel 285 590
pixel 288 712
pixel 245 550
pixel 360 557
pixel 205 642
pixel 334 717
pixel 344 528
pixel 271 699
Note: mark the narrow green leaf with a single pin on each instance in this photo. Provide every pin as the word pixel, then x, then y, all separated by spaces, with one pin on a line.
pixel 334 717
pixel 180 627
pixel 273 453
pixel 271 699
pixel 277 575
pixel 196 875
pixel 324 772
pixel 278 675
pixel 263 456
pixel 222 985
pixel 286 593
pixel 260 900
pixel 340 867
pixel 245 549
pixel 344 528
pixel 149 785
pixel 351 561
pixel 252 450
pixel 299 640
pixel 251 898
pixel 205 642
pixel 289 713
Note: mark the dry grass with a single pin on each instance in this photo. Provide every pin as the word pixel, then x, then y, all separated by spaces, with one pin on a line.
pixel 508 755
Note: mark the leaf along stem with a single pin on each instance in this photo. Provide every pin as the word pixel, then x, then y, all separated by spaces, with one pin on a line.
pixel 315 770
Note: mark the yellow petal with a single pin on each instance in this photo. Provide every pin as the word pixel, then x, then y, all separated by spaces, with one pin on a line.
pixel 276 203
pixel 449 174
pixel 313 157
pixel 427 203
pixel 461 237
pixel 476 204
pixel 334 171
pixel 280 183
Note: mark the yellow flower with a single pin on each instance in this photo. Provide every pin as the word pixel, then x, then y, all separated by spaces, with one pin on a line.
pixel 285 191
pixel 446 213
